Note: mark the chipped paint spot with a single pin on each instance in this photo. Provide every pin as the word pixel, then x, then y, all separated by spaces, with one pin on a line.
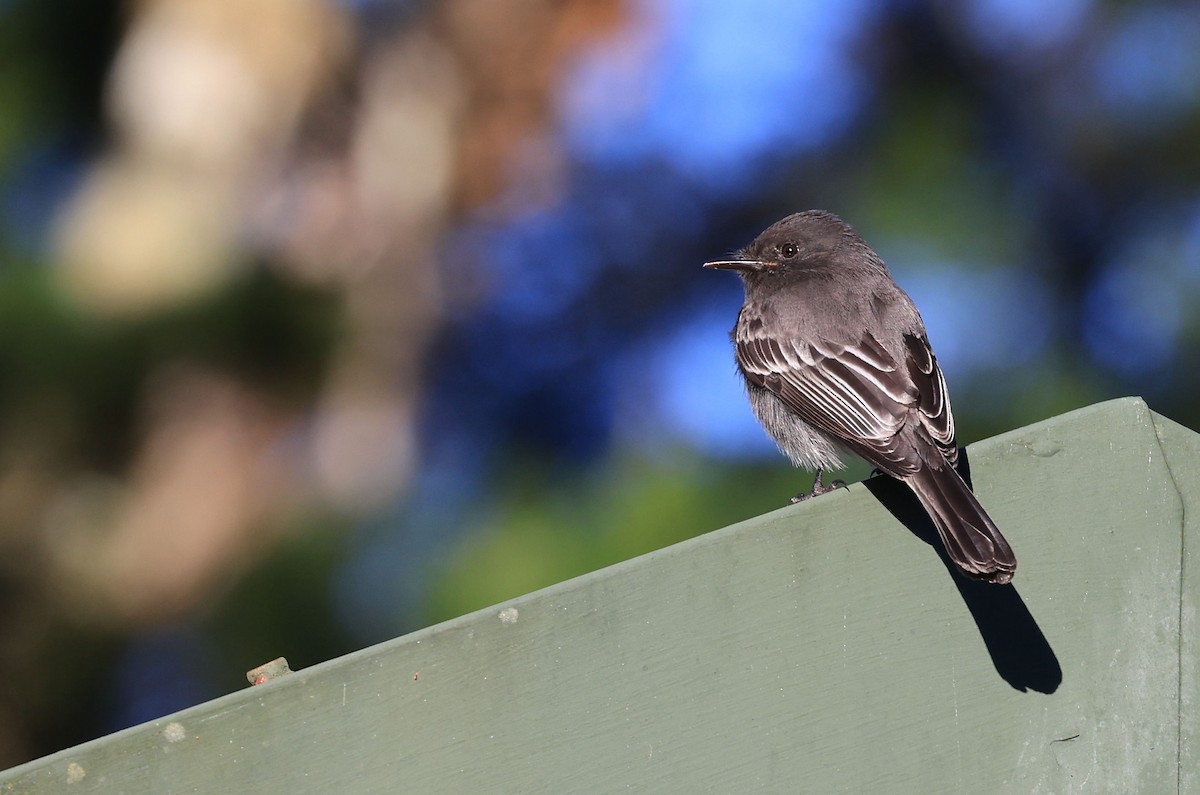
pixel 508 615
pixel 174 732
pixel 75 773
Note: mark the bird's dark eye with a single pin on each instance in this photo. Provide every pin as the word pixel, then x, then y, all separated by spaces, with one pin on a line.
pixel 788 250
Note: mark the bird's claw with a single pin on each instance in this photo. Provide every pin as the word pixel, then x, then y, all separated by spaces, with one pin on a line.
pixel 818 489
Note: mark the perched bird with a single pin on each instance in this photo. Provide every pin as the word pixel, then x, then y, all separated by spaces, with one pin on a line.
pixel 836 360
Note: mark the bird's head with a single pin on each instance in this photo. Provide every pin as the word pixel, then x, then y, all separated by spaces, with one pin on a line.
pixel 805 242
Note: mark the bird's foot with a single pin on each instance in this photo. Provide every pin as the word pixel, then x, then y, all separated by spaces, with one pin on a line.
pixel 818 488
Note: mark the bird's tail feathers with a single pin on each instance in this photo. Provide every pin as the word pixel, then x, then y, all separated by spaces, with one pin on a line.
pixel 969 535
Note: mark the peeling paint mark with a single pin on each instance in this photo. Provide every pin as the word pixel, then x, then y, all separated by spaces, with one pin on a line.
pixel 1045 448
pixel 173 732
pixel 75 773
pixel 508 615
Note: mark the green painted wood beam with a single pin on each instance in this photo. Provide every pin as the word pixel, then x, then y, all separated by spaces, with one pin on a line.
pixel 820 648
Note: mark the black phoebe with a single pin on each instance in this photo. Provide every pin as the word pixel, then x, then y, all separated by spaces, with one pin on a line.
pixel 836 360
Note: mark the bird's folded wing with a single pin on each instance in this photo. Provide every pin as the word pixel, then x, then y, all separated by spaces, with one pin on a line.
pixel 934 405
pixel 859 394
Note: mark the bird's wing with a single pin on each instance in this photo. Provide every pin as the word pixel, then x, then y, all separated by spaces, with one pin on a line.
pixel 858 393
pixel 934 406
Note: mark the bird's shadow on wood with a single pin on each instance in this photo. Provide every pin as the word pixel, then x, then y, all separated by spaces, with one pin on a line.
pixel 1018 648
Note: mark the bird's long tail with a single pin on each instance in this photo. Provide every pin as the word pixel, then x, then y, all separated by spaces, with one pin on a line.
pixel 970 536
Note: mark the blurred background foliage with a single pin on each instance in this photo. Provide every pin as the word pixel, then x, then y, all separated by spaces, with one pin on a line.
pixel 322 320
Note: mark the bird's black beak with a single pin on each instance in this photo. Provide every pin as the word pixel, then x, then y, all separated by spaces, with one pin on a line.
pixel 736 265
